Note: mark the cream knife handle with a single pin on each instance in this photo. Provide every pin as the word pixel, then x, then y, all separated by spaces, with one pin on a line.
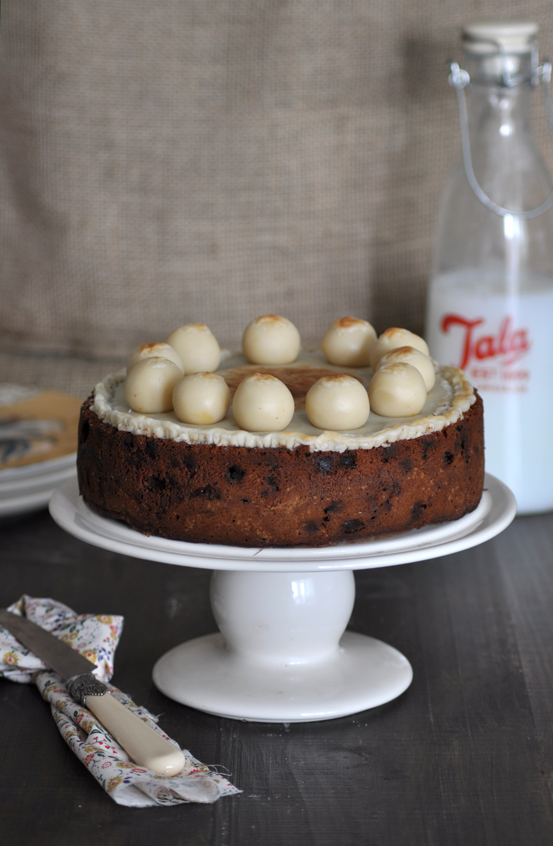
pixel 146 747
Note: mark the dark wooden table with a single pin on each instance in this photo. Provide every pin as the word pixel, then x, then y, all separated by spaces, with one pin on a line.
pixel 463 757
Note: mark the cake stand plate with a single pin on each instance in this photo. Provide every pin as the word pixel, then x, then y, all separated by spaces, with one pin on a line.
pixel 282 653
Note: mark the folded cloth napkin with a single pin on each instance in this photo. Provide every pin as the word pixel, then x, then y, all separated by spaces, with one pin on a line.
pixel 96 637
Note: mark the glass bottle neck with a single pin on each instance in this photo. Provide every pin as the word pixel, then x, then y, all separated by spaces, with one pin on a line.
pixel 506 70
pixel 500 91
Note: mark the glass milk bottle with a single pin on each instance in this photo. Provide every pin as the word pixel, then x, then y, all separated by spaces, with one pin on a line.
pixel 490 300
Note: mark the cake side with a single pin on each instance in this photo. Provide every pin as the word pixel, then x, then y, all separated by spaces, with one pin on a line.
pixel 280 496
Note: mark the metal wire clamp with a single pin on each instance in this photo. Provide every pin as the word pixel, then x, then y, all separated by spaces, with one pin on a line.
pixel 459 79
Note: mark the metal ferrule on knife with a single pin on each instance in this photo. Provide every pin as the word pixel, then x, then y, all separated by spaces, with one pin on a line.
pixel 83 685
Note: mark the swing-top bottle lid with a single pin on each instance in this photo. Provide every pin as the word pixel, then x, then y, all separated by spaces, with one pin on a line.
pixel 499 36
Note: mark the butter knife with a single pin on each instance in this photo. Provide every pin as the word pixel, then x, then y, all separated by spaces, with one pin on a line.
pixel 145 746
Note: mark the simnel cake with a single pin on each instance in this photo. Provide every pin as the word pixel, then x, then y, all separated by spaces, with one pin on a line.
pixel 280 446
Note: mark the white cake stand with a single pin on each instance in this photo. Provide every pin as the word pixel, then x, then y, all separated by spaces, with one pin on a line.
pixel 282 653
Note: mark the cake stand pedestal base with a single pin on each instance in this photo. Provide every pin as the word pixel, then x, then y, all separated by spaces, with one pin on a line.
pixel 281 654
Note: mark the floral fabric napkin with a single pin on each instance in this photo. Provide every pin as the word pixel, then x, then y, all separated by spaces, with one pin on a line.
pixel 96 637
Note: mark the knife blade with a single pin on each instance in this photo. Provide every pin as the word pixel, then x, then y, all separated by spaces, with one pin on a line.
pixel 145 746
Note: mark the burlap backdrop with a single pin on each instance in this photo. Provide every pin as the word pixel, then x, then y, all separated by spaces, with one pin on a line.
pixel 212 160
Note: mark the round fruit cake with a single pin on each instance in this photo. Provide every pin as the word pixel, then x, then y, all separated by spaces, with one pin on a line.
pixel 297 484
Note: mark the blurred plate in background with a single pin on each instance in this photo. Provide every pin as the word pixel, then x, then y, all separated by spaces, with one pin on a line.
pixel 38 442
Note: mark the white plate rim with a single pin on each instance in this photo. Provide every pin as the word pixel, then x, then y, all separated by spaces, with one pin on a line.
pixel 32 484
pixel 38 468
pixel 14 506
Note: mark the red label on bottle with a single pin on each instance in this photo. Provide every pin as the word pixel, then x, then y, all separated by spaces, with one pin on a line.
pixel 477 344
pixel 504 344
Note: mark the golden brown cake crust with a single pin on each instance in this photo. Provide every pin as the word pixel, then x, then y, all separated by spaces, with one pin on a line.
pixel 280 497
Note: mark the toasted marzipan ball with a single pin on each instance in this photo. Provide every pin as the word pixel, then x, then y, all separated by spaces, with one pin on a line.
pixel 337 402
pixel 197 347
pixel 262 403
pixel 348 342
pixel 271 340
pixel 156 350
pixel 201 398
pixel 397 390
pixel 416 358
pixel 149 385
pixel 394 337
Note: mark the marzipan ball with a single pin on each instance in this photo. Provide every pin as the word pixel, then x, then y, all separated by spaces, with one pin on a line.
pixel 271 340
pixel 157 350
pixel 348 342
pixel 201 398
pixel 149 385
pixel 337 402
pixel 417 359
pixel 197 347
pixel 397 390
pixel 392 338
pixel 262 403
